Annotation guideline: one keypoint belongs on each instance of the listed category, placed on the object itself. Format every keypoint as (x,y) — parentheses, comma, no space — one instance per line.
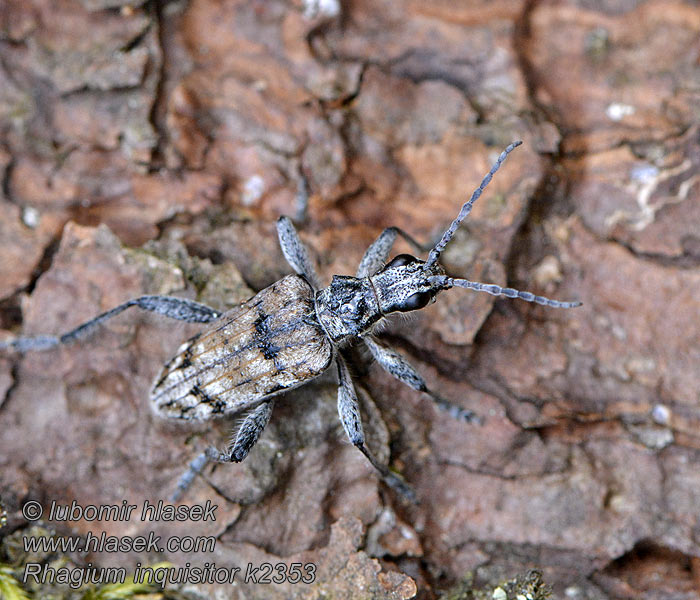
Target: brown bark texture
(149,147)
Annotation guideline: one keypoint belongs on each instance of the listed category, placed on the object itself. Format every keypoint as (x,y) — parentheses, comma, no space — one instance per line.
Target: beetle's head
(407,283)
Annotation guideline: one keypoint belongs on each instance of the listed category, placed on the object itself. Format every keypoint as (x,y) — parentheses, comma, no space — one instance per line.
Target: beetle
(291,332)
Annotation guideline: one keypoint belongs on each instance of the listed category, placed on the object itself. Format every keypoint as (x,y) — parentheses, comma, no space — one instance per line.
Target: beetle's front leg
(376,254)
(349,412)
(295,251)
(391,361)
(378,251)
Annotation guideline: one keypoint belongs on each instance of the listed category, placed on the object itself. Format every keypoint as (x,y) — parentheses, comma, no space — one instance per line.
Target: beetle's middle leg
(349,412)
(399,367)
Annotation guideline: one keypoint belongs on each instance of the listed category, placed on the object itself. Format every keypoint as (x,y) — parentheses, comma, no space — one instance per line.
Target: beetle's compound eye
(415,301)
(401,260)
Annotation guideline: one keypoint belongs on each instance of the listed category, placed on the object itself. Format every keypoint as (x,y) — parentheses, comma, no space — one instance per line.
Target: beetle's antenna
(446,283)
(467,207)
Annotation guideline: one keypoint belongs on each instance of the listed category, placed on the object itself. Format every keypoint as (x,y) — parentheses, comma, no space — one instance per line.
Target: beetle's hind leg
(391,361)
(246,437)
(168,306)
(349,412)
(193,469)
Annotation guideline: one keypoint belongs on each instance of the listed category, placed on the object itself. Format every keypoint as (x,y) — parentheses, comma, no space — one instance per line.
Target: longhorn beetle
(290,333)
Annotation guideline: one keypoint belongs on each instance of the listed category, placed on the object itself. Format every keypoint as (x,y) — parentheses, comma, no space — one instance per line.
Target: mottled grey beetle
(290,333)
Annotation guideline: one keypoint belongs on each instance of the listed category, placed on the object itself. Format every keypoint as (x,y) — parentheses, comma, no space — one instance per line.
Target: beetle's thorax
(347,307)
(351,307)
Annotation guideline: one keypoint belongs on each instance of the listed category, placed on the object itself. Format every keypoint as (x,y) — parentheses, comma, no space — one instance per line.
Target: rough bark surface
(148,147)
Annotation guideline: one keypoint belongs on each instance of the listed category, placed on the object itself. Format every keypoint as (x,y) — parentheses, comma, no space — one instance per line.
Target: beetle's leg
(301,200)
(375,256)
(349,411)
(295,252)
(377,253)
(399,367)
(246,437)
(169,306)
(193,469)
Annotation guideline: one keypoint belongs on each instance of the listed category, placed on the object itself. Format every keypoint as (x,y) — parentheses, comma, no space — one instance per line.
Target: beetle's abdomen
(268,344)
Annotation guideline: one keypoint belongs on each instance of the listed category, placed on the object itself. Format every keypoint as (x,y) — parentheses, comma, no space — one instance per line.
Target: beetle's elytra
(268,344)
(291,332)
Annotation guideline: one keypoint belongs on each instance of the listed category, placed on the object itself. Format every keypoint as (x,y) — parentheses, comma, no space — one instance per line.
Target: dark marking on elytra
(216,404)
(185,362)
(276,388)
(188,352)
(198,392)
(186,359)
(269,350)
(261,326)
